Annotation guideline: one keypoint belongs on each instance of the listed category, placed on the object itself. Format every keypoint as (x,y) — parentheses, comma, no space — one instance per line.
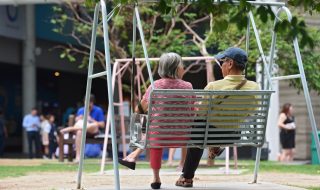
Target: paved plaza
(199,184)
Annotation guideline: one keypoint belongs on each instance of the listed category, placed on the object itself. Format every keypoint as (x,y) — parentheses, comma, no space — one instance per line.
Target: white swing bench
(239,118)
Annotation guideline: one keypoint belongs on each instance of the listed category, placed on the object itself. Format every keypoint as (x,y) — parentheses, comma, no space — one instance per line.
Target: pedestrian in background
(287,133)
(53,136)
(31,123)
(45,130)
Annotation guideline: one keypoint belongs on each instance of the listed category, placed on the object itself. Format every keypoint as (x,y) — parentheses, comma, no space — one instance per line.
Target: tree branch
(195,35)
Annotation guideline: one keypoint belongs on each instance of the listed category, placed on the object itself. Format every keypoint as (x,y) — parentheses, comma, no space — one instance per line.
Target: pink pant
(155,158)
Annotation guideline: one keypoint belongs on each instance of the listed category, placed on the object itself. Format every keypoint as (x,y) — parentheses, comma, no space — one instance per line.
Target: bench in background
(98,139)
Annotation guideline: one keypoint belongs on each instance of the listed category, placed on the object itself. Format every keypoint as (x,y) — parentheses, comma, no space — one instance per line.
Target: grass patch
(313,188)
(272,166)
(15,171)
(93,165)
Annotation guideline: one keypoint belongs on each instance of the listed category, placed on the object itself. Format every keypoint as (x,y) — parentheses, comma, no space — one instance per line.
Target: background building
(55,84)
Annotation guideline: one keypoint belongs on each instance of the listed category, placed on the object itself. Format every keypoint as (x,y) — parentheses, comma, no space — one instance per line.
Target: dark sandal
(183,182)
(131,165)
(155,185)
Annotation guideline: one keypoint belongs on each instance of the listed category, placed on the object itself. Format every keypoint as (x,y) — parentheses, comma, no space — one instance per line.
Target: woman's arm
(282,118)
(144,106)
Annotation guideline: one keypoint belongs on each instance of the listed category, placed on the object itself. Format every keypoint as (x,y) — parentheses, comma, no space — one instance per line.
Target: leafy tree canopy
(187,32)
(219,7)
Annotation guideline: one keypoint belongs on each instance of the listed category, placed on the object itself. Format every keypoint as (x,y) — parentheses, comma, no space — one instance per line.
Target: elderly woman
(233,61)
(171,72)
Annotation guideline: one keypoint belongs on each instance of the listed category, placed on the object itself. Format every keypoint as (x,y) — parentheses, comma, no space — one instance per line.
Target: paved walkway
(145,173)
(216,186)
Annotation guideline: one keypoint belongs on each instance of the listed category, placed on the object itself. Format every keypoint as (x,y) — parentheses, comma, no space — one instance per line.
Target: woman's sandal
(183,182)
(130,165)
(155,185)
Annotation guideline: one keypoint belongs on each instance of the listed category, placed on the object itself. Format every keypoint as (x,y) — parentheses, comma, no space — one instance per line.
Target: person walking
(287,132)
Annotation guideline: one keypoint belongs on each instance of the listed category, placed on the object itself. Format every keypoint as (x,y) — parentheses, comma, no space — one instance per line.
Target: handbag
(143,118)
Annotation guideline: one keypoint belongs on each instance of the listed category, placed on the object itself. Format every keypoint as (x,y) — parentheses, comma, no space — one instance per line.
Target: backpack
(92,150)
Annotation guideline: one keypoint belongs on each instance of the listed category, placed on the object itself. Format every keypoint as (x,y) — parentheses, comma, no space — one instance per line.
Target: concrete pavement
(215,186)
(198,185)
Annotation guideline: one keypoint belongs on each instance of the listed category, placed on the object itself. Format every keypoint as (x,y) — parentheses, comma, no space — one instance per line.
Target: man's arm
(25,122)
(99,120)
(101,124)
(80,114)
(78,117)
(38,122)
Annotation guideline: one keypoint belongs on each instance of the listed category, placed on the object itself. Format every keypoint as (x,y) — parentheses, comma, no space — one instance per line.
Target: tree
(75,21)
(218,7)
(200,33)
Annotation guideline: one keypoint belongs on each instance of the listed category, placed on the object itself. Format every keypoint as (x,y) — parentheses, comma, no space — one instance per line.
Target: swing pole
(88,92)
(110,94)
(302,76)
(144,46)
(107,127)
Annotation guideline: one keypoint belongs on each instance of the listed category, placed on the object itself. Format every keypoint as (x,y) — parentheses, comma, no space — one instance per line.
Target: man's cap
(237,54)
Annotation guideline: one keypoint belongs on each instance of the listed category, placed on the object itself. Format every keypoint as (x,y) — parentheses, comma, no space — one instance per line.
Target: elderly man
(233,61)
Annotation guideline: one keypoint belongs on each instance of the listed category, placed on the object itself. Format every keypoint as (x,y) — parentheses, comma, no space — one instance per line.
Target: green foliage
(166,32)
(310,59)
(309,5)
(285,52)
(174,42)
(240,17)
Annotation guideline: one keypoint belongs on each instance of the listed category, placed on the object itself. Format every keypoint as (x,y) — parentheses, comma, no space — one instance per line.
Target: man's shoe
(183,182)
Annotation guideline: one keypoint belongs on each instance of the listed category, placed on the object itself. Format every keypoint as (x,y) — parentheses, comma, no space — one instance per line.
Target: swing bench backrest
(201,118)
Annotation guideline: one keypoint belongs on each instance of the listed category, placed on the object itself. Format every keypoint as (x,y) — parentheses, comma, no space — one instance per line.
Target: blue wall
(44,28)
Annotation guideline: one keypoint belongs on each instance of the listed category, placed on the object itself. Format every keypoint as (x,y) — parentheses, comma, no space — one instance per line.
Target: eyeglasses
(221,61)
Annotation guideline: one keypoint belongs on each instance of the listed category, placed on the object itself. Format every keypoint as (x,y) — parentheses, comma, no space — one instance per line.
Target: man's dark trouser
(192,162)
(34,136)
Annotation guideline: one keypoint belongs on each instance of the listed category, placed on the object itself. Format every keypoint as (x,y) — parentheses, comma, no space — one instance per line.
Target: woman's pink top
(167,83)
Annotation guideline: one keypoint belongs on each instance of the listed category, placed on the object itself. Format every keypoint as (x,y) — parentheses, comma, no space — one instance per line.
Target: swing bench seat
(223,118)
(201,118)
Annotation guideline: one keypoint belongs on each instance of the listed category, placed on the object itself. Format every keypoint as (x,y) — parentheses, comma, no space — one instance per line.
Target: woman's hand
(290,126)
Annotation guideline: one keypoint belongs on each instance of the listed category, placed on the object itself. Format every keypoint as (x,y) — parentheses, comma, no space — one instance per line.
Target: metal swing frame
(137,24)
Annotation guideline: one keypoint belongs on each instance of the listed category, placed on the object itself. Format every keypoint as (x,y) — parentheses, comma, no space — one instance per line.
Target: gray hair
(168,65)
